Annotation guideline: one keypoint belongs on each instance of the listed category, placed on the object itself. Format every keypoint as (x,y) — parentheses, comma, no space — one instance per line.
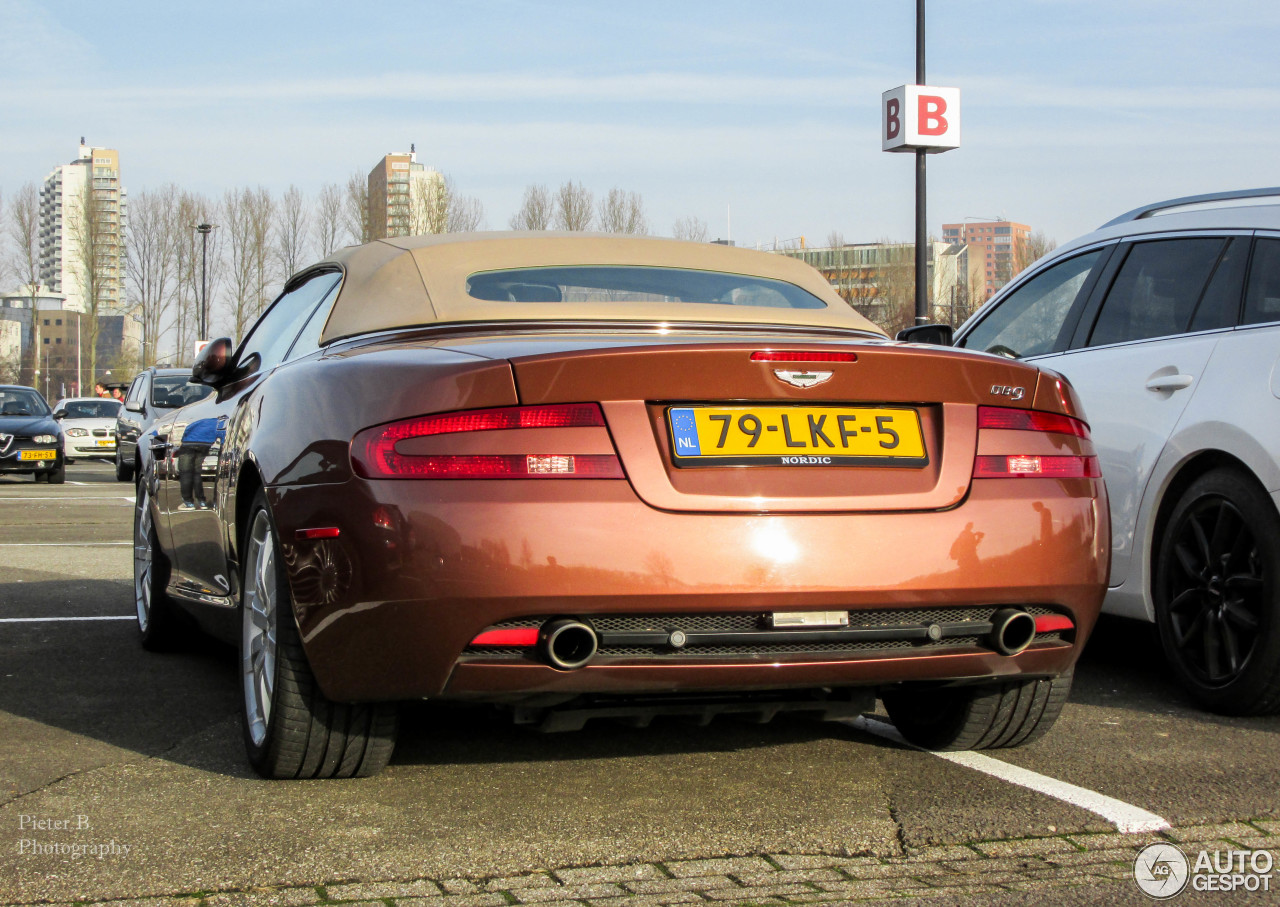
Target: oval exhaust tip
(567,644)
(1012,631)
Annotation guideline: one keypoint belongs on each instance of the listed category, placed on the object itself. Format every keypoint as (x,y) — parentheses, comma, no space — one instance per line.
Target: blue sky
(1073,110)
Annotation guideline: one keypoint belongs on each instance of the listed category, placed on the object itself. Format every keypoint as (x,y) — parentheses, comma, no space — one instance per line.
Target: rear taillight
(374,452)
(1030,420)
(1033,466)
(802,356)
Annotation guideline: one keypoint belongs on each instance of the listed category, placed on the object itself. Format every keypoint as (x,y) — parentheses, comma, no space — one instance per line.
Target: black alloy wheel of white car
(1215,588)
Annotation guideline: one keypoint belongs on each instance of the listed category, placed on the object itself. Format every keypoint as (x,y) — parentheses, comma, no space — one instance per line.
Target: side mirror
(936,334)
(59,414)
(213,365)
(134,406)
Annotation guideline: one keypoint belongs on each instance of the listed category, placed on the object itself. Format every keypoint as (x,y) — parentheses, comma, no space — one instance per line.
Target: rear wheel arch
(248,485)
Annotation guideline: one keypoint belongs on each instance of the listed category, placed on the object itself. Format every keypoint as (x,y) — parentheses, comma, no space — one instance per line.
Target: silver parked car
(1167,322)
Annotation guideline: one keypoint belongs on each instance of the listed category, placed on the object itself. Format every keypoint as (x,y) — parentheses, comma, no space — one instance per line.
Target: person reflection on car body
(199,437)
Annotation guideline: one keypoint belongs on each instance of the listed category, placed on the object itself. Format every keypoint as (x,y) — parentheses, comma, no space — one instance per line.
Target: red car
(592,475)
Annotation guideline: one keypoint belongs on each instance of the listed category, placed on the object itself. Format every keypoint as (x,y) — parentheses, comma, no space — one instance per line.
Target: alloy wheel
(1214,583)
(143,564)
(260,613)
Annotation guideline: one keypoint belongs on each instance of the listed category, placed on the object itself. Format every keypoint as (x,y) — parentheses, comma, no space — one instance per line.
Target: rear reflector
(1030,420)
(327,532)
(374,454)
(801,356)
(1019,466)
(1049,623)
(519,636)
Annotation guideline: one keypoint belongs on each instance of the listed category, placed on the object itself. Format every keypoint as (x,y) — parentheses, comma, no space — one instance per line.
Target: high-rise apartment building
(993,252)
(83,215)
(402,197)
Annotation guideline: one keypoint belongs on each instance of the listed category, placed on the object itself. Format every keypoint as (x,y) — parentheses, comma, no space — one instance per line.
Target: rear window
(640,285)
(92,409)
(171,392)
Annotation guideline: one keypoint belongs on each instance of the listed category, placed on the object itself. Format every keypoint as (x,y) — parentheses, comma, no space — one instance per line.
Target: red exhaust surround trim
(518,636)
(801,356)
(1050,623)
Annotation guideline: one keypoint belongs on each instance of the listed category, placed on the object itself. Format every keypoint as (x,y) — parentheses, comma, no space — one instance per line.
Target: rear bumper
(387,609)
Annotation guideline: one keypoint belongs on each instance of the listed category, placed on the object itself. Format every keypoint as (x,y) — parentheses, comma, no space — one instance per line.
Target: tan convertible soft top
(409,281)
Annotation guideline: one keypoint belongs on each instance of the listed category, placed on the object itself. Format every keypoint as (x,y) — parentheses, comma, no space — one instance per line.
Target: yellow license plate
(38,455)
(796,436)
(106,443)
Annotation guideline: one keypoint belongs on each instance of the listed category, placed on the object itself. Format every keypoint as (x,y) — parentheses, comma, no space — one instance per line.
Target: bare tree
(356,208)
(24,231)
(1030,249)
(574,203)
(835,240)
(197,269)
(430,198)
(293,231)
(261,212)
(535,209)
(238,230)
(96,258)
(623,212)
(466,214)
(152,262)
(692,229)
(328,219)
(893,278)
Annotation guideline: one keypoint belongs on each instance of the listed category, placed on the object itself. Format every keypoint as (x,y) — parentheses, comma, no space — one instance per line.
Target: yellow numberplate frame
(37,455)
(106,442)
(767,435)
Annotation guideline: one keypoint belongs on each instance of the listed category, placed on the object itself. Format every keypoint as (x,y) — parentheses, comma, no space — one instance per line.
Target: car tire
(994,716)
(69,461)
(160,624)
(291,729)
(123,473)
(57,476)
(1215,589)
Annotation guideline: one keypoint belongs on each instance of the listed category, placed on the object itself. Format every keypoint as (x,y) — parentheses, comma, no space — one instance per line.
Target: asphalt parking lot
(139,757)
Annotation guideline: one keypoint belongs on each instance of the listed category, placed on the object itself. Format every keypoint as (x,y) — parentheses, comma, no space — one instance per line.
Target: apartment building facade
(993,252)
(402,193)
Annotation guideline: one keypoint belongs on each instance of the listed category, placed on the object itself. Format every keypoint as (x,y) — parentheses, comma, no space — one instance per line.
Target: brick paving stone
(993,864)
(565,893)
(1270,826)
(938,854)
(1210,833)
(865,888)
(280,897)
(786,876)
(457,900)
(1111,841)
(142,902)
(754,894)
(1111,871)
(369,891)
(1025,846)
(683,869)
(588,874)
(458,886)
(1091,857)
(648,900)
(805,861)
(897,870)
(510,883)
(697,883)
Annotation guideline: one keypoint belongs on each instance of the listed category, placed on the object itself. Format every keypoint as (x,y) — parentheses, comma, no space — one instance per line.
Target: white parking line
(1127,818)
(73,497)
(45,620)
(62,544)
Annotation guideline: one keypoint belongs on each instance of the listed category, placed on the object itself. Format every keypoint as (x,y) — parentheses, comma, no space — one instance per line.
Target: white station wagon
(1167,322)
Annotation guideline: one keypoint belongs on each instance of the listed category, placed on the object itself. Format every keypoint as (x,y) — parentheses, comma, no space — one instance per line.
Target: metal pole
(922,238)
(204,281)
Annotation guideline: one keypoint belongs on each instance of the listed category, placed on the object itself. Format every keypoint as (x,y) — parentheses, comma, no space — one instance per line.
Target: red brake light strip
(1030,420)
(802,356)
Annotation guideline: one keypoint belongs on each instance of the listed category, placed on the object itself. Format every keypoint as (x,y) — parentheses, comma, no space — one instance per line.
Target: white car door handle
(1170,382)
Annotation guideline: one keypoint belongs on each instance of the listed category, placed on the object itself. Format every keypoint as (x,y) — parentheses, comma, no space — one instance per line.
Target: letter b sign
(920,117)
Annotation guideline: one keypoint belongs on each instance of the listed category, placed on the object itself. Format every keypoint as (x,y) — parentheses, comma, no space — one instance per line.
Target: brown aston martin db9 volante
(596,476)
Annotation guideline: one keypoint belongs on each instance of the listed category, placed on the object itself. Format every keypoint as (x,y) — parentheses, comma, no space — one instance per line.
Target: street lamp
(204,230)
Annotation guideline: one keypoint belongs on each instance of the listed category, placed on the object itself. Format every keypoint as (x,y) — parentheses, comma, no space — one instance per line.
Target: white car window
(1029,320)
